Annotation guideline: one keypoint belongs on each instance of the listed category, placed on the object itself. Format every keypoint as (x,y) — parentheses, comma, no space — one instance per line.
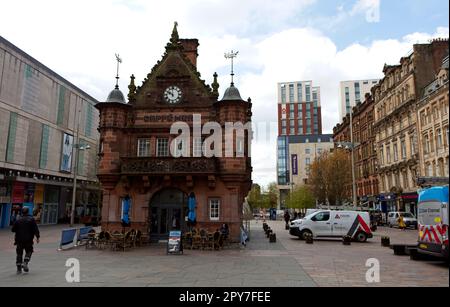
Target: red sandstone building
(365,155)
(135,156)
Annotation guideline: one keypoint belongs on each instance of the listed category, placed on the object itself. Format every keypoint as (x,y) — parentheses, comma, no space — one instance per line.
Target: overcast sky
(326,41)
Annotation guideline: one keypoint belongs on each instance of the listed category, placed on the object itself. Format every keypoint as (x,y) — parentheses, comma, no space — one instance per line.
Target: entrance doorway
(168,209)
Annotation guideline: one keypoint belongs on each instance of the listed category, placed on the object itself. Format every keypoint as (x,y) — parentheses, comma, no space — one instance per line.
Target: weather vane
(119,60)
(231,55)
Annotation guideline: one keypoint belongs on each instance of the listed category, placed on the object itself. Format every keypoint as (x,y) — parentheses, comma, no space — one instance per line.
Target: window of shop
(214,209)
(162,148)
(197,147)
(143,148)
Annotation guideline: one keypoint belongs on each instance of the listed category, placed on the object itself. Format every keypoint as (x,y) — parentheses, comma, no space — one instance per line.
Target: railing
(169,165)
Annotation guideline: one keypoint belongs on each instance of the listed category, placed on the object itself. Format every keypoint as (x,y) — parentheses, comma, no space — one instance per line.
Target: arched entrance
(168,209)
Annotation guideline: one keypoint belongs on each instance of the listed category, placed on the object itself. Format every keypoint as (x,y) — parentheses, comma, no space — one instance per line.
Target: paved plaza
(288,262)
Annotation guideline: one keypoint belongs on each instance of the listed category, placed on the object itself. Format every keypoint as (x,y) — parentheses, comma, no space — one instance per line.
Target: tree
(269,197)
(272,192)
(330,177)
(254,197)
(338,176)
(317,180)
(301,198)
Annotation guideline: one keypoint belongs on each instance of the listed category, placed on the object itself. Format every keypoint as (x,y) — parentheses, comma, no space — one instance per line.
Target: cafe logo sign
(168,118)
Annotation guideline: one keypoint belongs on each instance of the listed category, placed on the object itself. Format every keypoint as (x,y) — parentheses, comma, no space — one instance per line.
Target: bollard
(346,240)
(385,241)
(272,238)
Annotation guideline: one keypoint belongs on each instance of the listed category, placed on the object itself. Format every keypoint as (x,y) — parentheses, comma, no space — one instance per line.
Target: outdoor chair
(91,239)
(127,241)
(107,241)
(208,242)
(116,240)
(196,241)
(138,241)
(221,241)
(216,240)
(100,240)
(187,240)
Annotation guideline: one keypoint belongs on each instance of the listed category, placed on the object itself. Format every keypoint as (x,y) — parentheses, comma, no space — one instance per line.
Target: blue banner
(126,205)
(294,165)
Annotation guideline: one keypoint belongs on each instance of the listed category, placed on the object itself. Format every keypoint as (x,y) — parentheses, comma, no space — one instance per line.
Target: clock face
(172,94)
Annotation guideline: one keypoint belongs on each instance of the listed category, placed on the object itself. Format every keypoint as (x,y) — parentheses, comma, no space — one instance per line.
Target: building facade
(295,155)
(353,92)
(159,182)
(299,110)
(395,125)
(40,113)
(364,151)
(432,114)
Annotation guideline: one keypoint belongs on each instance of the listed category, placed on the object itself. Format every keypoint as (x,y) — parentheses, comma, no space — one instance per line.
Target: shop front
(50,206)
(410,202)
(5,204)
(388,203)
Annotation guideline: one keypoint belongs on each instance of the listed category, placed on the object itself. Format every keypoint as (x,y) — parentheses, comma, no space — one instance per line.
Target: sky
(326,41)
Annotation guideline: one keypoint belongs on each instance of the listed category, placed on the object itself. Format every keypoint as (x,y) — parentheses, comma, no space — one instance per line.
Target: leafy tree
(301,198)
(254,197)
(330,177)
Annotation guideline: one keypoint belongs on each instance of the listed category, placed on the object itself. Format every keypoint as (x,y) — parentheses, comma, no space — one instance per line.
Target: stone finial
(215,85)
(175,38)
(132,89)
(174,42)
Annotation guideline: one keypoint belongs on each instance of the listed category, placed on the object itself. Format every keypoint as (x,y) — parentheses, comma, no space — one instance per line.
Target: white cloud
(79,39)
(371,8)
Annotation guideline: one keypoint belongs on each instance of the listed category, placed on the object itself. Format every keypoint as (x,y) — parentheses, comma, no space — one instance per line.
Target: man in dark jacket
(287,218)
(26,229)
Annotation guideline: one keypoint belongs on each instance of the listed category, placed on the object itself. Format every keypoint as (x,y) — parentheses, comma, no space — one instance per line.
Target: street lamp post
(351,146)
(75,148)
(353,162)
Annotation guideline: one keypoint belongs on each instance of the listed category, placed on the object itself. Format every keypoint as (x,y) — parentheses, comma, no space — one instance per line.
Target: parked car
(327,223)
(409,219)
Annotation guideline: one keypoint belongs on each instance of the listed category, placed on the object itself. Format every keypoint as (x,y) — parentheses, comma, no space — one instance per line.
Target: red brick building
(364,153)
(136,162)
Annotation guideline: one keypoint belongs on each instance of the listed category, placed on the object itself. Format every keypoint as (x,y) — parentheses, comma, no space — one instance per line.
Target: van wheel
(304,234)
(390,225)
(361,237)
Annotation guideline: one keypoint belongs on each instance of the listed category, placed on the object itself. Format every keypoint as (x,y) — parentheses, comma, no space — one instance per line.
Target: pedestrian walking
(401,222)
(25,229)
(287,218)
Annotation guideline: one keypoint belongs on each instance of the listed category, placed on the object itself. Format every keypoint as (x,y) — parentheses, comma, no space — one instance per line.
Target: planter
(385,241)
(269,231)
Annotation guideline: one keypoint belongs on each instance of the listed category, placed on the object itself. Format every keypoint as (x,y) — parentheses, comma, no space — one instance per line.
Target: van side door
(321,224)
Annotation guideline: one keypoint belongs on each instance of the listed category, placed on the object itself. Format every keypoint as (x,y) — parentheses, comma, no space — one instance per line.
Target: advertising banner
(18,192)
(294,165)
(174,243)
(39,194)
(66,161)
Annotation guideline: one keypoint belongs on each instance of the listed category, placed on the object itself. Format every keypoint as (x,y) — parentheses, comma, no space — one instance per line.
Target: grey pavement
(288,262)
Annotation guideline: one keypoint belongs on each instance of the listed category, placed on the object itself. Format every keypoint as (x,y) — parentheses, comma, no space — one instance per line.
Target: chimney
(190,49)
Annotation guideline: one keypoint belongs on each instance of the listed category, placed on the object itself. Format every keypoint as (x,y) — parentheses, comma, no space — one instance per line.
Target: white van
(327,223)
